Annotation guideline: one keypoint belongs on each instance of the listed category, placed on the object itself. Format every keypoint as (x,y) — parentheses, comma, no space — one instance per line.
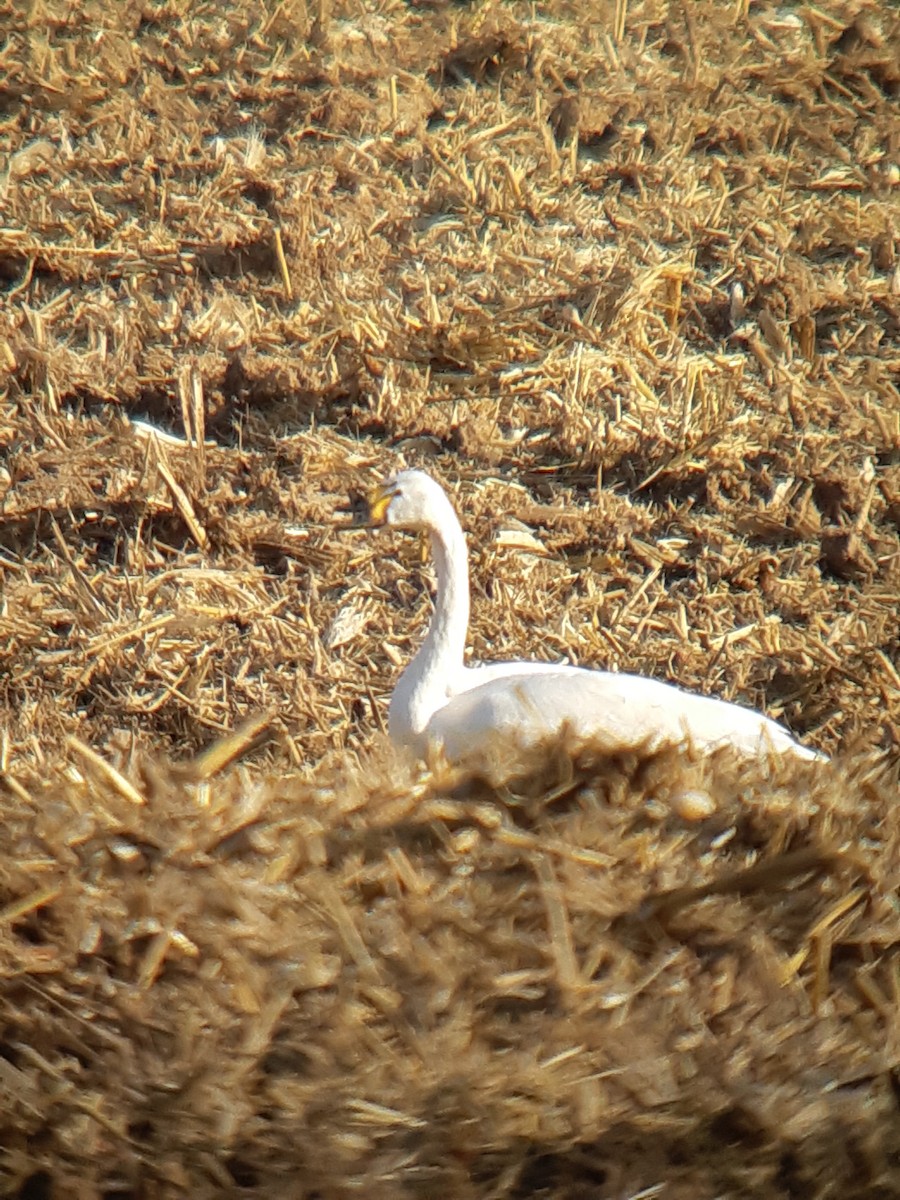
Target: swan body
(439,703)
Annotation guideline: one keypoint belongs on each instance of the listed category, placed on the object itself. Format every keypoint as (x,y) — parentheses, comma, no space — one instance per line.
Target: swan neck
(435,672)
(445,643)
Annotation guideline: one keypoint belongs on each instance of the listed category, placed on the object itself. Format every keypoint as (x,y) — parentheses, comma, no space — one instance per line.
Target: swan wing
(618,712)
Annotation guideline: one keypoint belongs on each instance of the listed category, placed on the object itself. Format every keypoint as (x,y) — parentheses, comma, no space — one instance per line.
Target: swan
(441,704)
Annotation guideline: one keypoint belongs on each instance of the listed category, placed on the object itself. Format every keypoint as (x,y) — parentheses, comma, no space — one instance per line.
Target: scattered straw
(109,773)
(625,277)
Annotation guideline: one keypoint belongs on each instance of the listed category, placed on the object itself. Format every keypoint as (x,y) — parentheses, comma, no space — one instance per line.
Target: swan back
(611,711)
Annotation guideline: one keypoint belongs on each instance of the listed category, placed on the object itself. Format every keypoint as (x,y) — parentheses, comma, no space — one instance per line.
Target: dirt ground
(625,278)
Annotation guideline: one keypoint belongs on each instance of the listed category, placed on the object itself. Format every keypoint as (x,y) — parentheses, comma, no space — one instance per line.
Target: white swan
(440,703)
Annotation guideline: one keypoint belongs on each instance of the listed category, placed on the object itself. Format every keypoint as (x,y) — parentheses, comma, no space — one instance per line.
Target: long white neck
(441,654)
(432,675)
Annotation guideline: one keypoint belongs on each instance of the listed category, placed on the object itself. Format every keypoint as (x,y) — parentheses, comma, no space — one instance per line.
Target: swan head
(407,500)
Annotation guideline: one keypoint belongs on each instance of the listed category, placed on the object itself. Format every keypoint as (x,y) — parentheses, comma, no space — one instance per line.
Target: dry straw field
(624,277)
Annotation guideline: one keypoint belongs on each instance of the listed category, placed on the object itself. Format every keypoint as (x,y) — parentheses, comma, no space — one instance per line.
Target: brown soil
(625,278)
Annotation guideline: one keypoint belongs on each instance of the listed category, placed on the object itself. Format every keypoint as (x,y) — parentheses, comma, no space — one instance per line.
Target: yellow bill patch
(378,500)
(369,511)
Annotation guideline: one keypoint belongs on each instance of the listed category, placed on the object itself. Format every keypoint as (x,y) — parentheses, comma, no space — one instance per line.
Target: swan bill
(377,502)
(369,511)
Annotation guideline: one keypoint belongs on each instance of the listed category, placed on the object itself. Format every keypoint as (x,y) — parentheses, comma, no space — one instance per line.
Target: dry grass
(625,277)
(366,985)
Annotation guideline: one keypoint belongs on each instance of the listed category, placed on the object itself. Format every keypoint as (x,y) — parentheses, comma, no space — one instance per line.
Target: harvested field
(625,278)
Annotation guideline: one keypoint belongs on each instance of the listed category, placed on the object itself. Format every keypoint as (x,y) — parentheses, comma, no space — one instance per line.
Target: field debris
(624,277)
